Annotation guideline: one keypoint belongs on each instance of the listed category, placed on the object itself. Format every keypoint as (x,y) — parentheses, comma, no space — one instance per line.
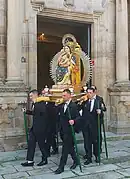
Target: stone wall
(84,6)
(12,88)
(2,39)
(119,92)
(102,18)
(29,46)
(129,31)
(12,131)
(120,110)
(104,70)
(101,14)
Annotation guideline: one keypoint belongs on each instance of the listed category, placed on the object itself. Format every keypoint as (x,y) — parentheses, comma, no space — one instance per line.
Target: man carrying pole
(91,111)
(101,121)
(37,133)
(65,122)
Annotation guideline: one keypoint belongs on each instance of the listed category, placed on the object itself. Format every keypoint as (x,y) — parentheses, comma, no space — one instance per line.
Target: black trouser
(90,138)
(67,148)
(61,134)
(51,142)
(85,142)
(33,138)
(51,138)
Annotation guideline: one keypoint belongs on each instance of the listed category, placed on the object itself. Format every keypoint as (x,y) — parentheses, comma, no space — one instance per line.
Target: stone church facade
(110,34)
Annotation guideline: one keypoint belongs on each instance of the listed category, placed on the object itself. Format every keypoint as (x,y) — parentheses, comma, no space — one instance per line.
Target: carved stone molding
(104,3)
(77,16)
(4,117)
(5,89)
(119,89)
(37,5)
(68,3)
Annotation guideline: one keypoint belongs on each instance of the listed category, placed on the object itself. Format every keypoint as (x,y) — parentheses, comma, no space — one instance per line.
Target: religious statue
(66,64)
(63,71)
(67,67)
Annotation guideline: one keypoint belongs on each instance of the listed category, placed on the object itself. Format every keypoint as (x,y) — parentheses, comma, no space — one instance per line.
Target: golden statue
(66,66)
(63,71)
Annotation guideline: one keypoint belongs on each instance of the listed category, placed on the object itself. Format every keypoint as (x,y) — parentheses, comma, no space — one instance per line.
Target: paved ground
(117,167)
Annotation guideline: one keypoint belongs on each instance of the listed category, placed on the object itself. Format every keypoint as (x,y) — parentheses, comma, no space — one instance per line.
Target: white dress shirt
(66,105)
(32,106)
(92,103)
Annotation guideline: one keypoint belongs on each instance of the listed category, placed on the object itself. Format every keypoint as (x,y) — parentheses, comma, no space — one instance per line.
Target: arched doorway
(50,33)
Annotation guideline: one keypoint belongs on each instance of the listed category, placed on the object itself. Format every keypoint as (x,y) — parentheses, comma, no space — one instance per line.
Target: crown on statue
(74,46)
(70,40)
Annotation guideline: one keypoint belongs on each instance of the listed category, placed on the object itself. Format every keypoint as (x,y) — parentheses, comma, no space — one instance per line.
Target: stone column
(2,38)
(122,64)
(14,34)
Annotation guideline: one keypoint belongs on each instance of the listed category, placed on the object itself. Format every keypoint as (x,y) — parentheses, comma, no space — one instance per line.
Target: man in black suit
(38,131)
(90,110)
(51,129)
(104,109)
(68,144)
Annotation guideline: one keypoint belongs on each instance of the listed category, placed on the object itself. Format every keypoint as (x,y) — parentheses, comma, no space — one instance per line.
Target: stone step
(109,136)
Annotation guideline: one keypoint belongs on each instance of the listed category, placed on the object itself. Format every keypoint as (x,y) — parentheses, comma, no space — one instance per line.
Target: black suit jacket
(103,106)
(91,118)
(40,115)
(51,110)
(65,117)
(102,101)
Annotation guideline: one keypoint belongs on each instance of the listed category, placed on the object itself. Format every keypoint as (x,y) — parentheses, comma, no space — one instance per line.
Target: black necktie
(89,105)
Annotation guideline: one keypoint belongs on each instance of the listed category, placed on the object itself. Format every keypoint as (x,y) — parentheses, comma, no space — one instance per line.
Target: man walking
(104,109)
(37,131)
(68,107)
(91,109)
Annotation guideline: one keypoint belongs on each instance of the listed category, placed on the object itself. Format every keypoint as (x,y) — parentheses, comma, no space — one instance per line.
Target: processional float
(71,68)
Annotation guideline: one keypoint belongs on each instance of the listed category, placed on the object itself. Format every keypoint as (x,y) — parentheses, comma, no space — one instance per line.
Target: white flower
(4,106)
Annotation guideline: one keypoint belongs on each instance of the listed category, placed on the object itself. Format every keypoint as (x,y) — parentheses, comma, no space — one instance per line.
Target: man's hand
(99,111)
(24,109)
(71,122)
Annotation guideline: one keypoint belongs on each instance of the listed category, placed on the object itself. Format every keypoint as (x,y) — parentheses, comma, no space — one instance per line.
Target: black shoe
(97,160)
(43,162)
(73,166)
(54,152)
(59,170)
(26,164)
(87,162)
(85,157)
(100,150)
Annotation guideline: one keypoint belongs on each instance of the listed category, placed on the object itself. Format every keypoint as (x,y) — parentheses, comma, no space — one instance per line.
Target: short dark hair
(90,88)
(67,91)
(93,86)
(34,91)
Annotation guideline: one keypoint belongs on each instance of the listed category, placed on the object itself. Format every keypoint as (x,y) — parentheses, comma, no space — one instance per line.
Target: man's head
(94,87)
(91,92)
(33,94)
(66,95)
